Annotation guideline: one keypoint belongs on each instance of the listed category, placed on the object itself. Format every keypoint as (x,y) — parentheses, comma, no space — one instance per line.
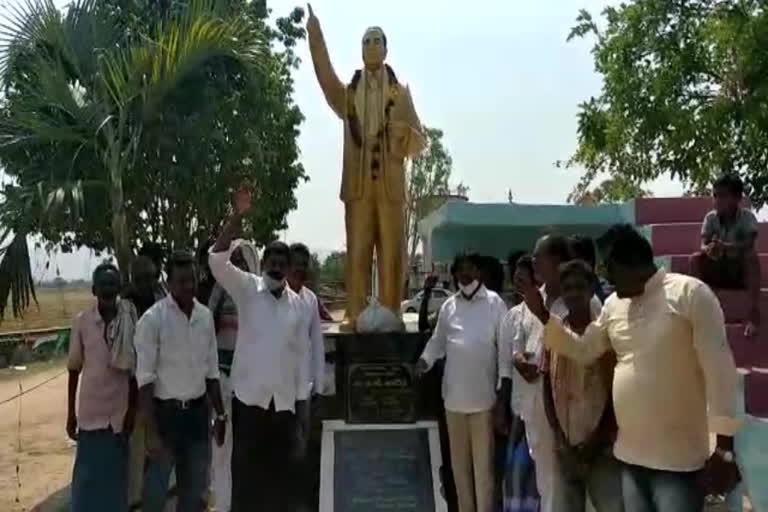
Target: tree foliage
(427,179)
(610,190)
(245,129)
(128,122)
(332,268)
(685,94)
(217,125)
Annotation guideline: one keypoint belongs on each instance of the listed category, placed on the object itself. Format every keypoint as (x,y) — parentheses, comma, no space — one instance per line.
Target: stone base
(410,481)
(346,349)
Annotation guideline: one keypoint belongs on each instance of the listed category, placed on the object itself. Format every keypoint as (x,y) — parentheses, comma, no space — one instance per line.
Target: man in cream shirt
(673,362)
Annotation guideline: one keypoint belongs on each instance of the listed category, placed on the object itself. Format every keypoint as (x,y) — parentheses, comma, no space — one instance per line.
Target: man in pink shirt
(104,418)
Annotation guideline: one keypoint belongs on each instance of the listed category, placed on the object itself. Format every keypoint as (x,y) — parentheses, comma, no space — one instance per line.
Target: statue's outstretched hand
(312,22)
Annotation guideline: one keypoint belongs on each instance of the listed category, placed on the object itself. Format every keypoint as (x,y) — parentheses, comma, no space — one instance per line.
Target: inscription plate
(380,393)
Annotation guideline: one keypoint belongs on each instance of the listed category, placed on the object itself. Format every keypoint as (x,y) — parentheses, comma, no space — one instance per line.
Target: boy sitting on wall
(728,258)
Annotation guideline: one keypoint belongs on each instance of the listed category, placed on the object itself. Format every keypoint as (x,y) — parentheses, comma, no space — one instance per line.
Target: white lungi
(221,456)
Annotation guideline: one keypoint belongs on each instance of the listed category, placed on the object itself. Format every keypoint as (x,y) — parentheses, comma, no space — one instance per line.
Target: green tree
(246,129)
(332,269)
(427,179)
(610,190)
(131,121)
(685,89)
(314,270)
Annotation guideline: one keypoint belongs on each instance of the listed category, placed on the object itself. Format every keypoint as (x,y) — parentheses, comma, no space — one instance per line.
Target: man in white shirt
(312,332)
(176,366)
(466,335)
(314,357)
(519,477)
(224,312)
(267,374)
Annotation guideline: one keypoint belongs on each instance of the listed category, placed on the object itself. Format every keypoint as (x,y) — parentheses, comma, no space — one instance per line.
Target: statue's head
(374,47)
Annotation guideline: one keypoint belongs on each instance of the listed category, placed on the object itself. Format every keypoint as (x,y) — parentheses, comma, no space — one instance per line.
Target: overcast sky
(497,76)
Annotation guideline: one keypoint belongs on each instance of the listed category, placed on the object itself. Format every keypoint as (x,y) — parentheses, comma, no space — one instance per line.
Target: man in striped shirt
(578,406)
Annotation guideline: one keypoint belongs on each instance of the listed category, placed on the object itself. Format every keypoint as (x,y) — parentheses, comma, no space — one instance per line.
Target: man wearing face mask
(267,372)
(225,318)
(466,335)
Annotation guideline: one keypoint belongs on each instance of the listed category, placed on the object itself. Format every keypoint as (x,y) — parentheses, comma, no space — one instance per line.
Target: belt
(182,404)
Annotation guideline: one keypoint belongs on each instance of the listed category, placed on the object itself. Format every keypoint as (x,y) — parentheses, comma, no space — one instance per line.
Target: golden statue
(381,130)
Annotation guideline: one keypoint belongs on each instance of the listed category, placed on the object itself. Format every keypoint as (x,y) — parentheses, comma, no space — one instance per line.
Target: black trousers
(184,431)
(264,465)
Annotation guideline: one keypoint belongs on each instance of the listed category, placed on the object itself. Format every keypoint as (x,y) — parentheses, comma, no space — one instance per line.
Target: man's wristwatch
(726,455)
(222,417)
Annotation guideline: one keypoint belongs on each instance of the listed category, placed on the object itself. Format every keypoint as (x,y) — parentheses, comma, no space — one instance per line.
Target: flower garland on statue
(353,119)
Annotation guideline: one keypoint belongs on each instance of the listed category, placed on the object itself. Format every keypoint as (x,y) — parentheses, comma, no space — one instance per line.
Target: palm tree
(77,87)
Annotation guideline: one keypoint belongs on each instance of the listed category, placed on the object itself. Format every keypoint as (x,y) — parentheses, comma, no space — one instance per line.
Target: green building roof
(496,229)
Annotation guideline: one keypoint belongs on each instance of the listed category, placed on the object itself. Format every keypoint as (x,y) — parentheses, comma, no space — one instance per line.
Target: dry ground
(56,309)
(32,437)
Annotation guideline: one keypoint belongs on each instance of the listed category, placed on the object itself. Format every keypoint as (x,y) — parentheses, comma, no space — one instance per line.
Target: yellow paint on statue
(381,130)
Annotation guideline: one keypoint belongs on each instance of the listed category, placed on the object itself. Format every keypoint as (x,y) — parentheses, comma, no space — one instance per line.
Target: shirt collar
(656,281)
(286,291)
(481,293)
(543,291)
(94,316)
(545,296)
(195,306)
(725,221)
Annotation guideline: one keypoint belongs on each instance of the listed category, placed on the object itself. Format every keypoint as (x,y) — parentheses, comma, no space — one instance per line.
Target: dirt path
(38,445)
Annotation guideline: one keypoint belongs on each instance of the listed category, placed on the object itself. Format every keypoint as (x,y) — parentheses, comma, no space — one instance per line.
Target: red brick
(740,346)
(681,263)
(665,210)
(735,305)
(749,353)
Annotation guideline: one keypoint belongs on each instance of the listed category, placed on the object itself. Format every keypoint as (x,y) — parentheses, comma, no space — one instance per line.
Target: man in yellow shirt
(673,362)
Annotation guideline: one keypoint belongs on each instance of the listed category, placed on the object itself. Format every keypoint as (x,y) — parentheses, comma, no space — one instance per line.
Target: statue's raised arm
(332,87)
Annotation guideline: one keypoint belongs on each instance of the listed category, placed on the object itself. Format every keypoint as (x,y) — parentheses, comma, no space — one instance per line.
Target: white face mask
(273,284)
(469,289)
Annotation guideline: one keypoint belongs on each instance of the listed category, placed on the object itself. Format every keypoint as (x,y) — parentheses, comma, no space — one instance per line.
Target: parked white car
(439,295)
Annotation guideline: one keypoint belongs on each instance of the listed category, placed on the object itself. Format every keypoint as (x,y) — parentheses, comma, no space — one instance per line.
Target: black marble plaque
(382,471)
(381,393)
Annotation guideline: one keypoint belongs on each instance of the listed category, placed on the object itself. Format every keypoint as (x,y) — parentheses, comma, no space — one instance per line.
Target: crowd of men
(572,395)
(568,396)
(207,376)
